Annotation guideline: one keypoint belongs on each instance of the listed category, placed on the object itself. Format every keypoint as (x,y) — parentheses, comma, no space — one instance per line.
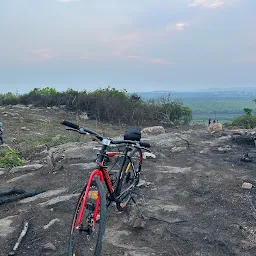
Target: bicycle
(89,219)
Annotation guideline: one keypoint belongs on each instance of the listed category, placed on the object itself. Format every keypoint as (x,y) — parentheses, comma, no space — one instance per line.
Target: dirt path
(193,204)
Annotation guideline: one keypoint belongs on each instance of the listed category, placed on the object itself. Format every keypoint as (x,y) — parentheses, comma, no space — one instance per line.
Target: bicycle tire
(79,240)
(128,179)
(138,159)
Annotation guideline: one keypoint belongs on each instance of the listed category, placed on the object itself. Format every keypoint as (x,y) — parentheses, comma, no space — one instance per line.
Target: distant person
(209,121)
(1,133)
(214,121)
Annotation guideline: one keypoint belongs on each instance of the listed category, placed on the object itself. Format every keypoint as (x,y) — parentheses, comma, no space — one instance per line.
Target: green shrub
(227,124)
(173,111)
(10,158)
(8,99)
(245,121)
(247,111)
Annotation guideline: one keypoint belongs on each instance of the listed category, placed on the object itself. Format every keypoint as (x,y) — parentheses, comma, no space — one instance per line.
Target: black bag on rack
(132,134)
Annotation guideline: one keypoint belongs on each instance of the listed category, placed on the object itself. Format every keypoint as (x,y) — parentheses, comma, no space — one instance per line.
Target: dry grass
(31,129)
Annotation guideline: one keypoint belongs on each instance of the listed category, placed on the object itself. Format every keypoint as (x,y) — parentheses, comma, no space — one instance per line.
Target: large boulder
(169,140)
(154,130)
(73,151)
(83,116)
(215,127)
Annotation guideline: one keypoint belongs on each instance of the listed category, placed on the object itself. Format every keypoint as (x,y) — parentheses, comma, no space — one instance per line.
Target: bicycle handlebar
(83,130)
(71,125)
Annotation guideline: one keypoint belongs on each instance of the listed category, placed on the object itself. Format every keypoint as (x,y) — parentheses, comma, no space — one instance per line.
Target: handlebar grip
(145,144)
(71,125)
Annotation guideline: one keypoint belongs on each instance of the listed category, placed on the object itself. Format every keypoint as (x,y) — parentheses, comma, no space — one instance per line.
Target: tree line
(108,105)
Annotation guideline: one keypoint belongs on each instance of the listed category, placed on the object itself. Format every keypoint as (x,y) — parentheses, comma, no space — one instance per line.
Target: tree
(246,121)
(248,111)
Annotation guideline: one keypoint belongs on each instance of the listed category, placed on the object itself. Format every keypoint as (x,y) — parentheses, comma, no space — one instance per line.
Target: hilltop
(191,196)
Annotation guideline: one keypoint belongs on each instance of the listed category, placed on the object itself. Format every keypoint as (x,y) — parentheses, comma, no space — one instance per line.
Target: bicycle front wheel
(88,224)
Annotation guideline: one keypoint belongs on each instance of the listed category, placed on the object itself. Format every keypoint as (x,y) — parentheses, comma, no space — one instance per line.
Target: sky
(144,45)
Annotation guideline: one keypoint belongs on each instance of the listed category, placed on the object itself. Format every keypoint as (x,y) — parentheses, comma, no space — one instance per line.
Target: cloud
(88,56)
(126,41)
(250,59)
(207,3)
(135,57)
(41,55)
(116,53)
(149,59)
(65,1)
(177,26)
(159,61)
(180,26)
(126,57)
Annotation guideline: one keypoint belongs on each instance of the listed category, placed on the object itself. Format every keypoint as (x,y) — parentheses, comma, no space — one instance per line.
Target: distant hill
(222,104)
(245,93)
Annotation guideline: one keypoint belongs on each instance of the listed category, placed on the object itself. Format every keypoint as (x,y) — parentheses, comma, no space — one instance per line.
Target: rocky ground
(191,197)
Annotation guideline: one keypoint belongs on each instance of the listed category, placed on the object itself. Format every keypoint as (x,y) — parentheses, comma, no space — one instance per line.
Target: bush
(41,97)
(246,121)
(173,112)
(109,105)
(9,99)
(10,158)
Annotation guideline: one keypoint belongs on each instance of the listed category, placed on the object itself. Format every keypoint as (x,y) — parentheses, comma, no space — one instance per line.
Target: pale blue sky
(138,45)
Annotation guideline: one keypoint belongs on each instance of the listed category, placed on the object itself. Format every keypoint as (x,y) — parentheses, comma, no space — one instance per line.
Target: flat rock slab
(52,222)
(46,194)
(5,226)
(58,200)
(224,148)
(205,151)
(26,168)
(19,177)
(152,207)
(2,172)
(145,252)
(49,247)
(114,237)
(171,169)
(178,149)
(83,166)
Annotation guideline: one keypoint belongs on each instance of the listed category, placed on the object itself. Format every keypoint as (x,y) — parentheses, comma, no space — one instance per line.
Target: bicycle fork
(84,201)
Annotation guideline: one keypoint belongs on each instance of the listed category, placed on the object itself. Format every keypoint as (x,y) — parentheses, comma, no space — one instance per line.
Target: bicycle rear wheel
(128,178)
(86,238)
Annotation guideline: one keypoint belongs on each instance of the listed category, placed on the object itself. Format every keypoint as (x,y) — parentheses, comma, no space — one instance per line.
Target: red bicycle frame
(103,178)
(86,194)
